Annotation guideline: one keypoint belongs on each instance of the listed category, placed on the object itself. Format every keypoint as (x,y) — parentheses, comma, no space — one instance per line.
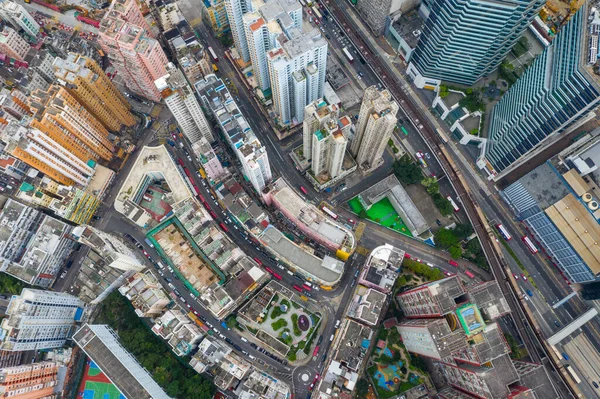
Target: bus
(297,288)
(469,274)
(225,229)
(573,374)
(213,54)
(215,68)
(404,130)
(503,232)
(454,206)
(329,213)
(453,263)
(305,191)
(530,245)
(347,54)
(317,13)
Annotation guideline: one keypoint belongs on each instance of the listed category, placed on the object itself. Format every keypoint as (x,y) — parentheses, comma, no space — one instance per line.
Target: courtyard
(381,212)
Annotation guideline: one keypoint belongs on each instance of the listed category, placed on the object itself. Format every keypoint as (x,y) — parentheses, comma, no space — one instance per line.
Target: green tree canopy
(407,171)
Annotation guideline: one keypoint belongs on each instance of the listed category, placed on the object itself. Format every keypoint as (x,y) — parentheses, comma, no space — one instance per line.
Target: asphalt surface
(547,282)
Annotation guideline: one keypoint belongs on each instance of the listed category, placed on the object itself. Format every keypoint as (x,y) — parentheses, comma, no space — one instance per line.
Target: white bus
(329,213)
(530,245)
(347,54)
(503,232)
(454,206)
(573,374)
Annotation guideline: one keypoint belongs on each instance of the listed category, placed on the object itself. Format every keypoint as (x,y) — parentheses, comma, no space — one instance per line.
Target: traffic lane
(164,274)
(238,236)
(281,164)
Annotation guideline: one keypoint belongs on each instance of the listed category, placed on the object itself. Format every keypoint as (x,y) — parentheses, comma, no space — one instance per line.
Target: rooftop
(489,299)
(101,344)
(366,305)
(409,26)
(152,163)
(382,267)
(293,205)
(300,258)
(31,243)
(391,188)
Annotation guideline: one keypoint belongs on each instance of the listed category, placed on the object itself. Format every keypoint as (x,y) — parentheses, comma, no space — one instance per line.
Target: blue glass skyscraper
(465,40)
(559,89)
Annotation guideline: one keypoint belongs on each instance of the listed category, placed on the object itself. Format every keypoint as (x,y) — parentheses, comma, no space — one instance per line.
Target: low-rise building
(367,305)
(177,329)
(347,360)
(33,246)
(112,248)
(145,294)
(219,273)
(308,218)
(382,268)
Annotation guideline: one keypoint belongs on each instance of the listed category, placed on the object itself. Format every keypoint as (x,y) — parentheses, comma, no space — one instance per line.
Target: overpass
(572,327)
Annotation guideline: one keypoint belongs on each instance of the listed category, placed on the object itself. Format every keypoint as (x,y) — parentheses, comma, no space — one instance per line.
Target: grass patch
(279,324)
(383,213)
(517,352)
(297,331)
(296,306)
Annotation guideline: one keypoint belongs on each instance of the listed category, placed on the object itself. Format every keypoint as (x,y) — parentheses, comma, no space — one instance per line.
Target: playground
(381,212)
(390,371)
(95,385)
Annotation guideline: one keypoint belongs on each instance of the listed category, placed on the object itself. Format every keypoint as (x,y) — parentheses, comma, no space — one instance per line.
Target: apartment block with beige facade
(13,45)
(376,122)
(85,80)
(65,120)
(139,58)
(30,381)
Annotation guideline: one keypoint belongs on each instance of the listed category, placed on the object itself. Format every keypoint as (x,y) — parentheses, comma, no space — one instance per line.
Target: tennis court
(381,212)
(95,385)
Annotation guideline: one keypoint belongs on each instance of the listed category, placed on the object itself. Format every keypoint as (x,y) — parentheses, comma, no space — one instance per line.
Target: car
(196,313)
(447,273)
(312,385)
(337,324)
(353,282)
(145,253)
(170,280)
(279,265)
(161,273)
(427,155)
(523,276)
(556,323)
(595,385)
(245,353)
(188,305)
(417,260)
(529,292)
(407,255)
(351,221)
(437,221)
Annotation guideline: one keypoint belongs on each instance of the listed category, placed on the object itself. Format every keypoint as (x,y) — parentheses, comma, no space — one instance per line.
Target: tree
(407,171)
(442,204)
(473,247)
(463,230)
(431,184)
(445,238)
(362,388)
(455,252)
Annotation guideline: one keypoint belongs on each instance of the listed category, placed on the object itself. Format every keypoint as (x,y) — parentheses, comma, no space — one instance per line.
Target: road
(443,154)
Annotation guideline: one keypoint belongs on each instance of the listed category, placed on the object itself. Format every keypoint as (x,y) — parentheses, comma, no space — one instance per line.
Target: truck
(147,241)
